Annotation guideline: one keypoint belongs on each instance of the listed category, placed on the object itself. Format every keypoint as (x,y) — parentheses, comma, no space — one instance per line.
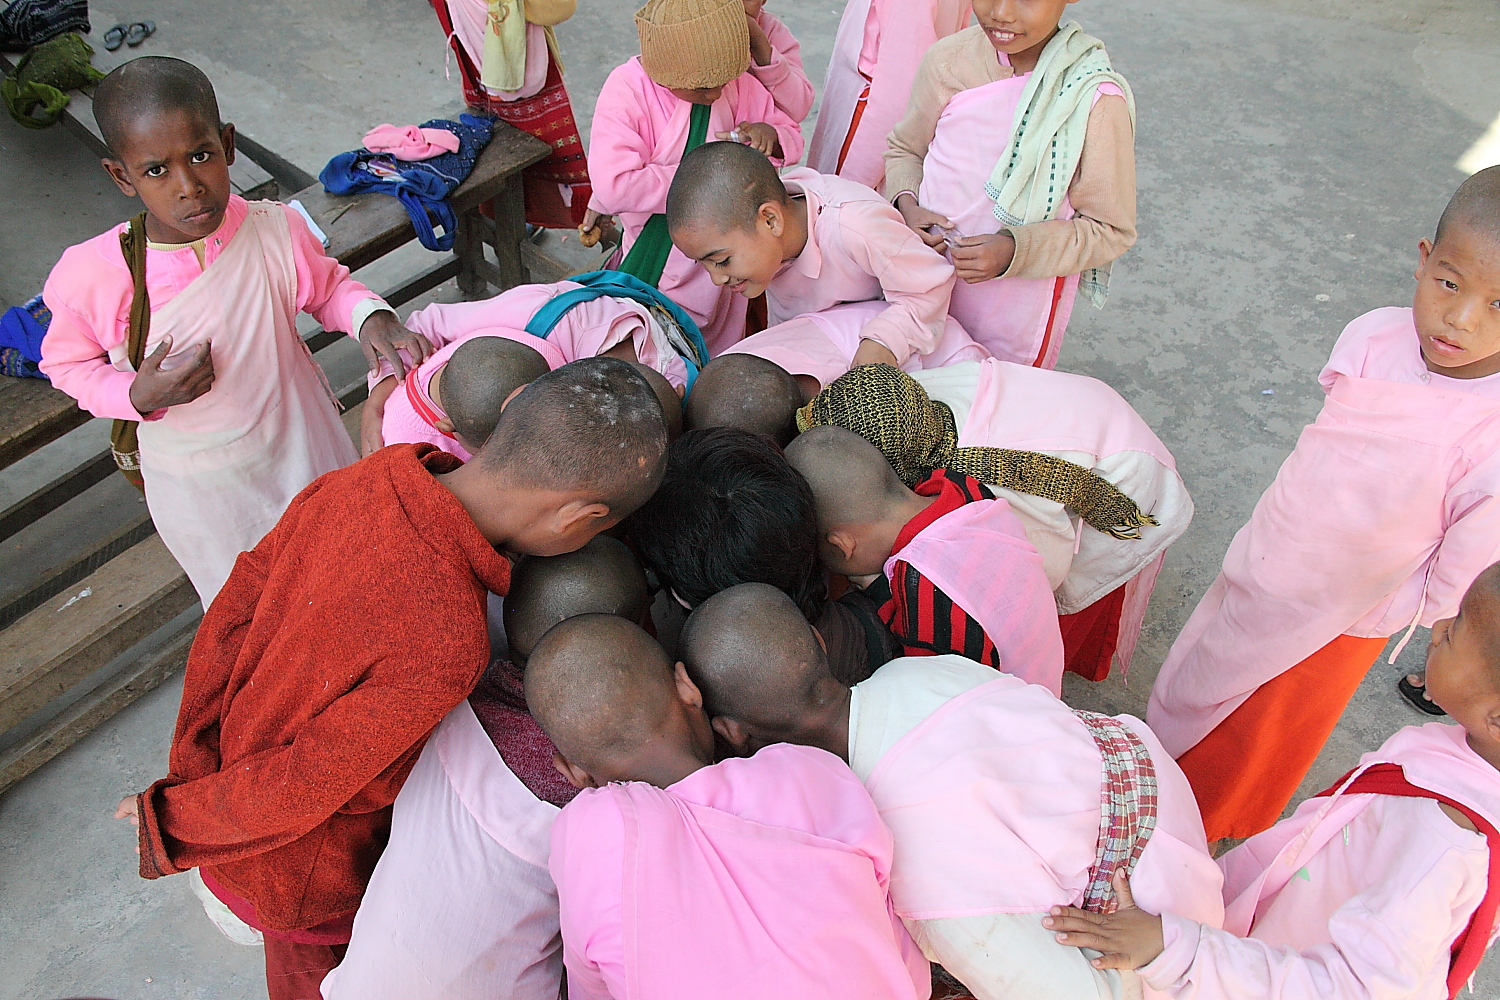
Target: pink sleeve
(917,281)
(754,103)
(624,179)
(587,865)
(784,76)
(324,288)
(75,352)
(1471,543)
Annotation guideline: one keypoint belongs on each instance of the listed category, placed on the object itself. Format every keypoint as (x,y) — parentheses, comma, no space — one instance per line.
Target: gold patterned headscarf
(917,434)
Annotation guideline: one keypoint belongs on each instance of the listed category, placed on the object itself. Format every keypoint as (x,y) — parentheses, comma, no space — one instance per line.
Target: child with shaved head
(949,563)
(1384,885)
(681,878)
(461,906)
(1386,510)
(1002,801)
(811,242)
(183,321)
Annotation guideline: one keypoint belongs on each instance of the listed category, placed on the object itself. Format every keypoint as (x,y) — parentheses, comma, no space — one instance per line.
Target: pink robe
(1382,516)
(822,344)
(980,557)
(859,250)
(635,144)
(784,76)
(992,790)
(461,906)
(879,43)
(1003,405)
(1016,319)
(1353,897)
(757,877)
(220,470)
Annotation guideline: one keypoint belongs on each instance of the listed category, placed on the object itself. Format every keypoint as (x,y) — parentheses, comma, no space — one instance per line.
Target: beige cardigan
(1103,189)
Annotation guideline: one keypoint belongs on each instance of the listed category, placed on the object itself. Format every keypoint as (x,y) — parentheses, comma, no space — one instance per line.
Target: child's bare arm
(1129,938)
(155,389)
(372,417)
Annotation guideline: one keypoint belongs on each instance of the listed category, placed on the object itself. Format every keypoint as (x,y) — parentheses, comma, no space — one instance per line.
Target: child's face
(1457,303)
(1014,26)
(698,95)
(177,163)
(746,260)
(1458,677)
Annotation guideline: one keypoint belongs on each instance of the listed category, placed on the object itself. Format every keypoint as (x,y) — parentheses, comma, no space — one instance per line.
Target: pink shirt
(859,249)
(1353,897)
(89,292)
(784,76)
(757,877)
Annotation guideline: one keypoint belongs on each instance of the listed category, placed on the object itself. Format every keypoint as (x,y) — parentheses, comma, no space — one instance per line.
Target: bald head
(666,395)
(1481,607)
(1474,208)
(722,185)
(151,85)
(603,577)
(744,391)
(755,658)
(479,377)
(851,481)
(599,687)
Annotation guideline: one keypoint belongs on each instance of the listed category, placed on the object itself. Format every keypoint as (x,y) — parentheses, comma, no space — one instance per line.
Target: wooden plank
(73,569)
(509,209)
(97,707)
(32,414)
(363,228)
(544,267)
(45,499)
(69,637)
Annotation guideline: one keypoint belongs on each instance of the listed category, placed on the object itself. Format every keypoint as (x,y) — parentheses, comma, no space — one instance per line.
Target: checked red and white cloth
(1127,807)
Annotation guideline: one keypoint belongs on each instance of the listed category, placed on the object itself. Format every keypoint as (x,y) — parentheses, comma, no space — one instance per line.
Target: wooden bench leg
(468,247)
(509,207)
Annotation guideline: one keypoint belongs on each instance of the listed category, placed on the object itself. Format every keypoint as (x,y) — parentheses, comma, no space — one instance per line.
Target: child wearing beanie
(689,85)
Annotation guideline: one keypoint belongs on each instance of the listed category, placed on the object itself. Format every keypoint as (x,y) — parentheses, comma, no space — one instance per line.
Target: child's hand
(754,7)
(873,352)
(1129,937)
(760,46)
(154,389)
(130,808)
(372,417)
(758,136)
(980,258)
(383,336)
(921,221)
(594,228)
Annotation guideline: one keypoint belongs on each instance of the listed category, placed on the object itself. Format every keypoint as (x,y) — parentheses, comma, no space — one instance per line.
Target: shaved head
(666,395)
(599,687)
(477,379)
(1481,606)
(603,577)
(755,657)
(151,85)
(744,391)
(1475,207)
(852,483)
(722,185)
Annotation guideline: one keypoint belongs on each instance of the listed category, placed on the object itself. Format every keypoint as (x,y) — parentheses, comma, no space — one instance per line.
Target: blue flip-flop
(115,37)
(139,32)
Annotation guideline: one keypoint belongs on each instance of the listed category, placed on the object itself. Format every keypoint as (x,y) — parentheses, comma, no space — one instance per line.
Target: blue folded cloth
(423,186)
(21,331)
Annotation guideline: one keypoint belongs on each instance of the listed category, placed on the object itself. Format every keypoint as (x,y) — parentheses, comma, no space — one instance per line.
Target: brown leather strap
(122,435)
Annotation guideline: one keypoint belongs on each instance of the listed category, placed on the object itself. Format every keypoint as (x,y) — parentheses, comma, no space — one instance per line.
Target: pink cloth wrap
(994,802)
(756,877)
(980,557)
(635,143)
(823,344)
(408,142)
(1354,896)
(1382,516)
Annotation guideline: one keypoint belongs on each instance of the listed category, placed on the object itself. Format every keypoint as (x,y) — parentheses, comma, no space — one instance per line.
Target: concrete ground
(1288,166)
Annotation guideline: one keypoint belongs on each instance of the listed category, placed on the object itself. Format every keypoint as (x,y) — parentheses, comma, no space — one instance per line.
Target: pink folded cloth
(407,142)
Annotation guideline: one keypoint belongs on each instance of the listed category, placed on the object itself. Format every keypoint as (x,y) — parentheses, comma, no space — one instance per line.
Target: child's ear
(444,424)
(844,541)
(226,139)
(575,514)
(734,733)
(576,776)
(687,691)
(116,171)
(1424,250)
(773,217)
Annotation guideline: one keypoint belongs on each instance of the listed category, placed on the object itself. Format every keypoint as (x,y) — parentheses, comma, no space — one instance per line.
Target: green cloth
(1051,121)
(35,93)
(648,254)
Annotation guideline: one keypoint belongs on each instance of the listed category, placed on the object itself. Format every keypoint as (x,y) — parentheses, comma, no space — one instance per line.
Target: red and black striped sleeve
(928,621)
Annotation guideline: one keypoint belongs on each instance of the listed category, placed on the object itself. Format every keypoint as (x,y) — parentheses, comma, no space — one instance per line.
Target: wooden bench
(46,653)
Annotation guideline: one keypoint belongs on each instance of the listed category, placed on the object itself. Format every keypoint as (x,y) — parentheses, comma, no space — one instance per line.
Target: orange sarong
(1246,771)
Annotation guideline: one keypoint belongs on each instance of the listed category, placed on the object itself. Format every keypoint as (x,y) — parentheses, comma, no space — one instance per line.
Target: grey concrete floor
(1288,166)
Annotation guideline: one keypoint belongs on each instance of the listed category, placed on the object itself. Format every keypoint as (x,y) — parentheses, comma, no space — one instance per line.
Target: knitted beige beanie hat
(692,44)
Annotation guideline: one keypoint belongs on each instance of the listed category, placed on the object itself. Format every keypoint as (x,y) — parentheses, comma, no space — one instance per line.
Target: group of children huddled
(432,744)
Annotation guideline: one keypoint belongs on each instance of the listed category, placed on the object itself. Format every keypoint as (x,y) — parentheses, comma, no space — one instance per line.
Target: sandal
(115,37)
(1417,697)
(139,32)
